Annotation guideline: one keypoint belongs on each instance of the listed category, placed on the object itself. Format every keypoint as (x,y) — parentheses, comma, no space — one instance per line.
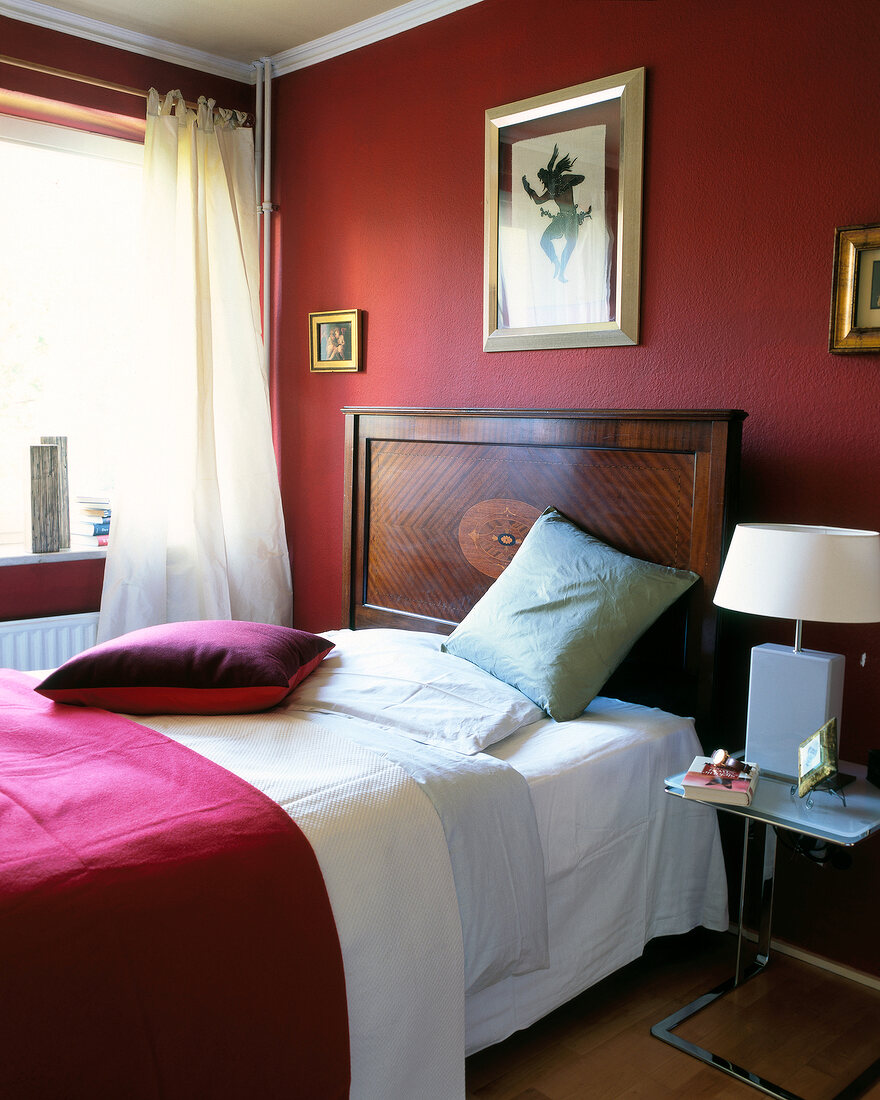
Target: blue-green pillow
(564,614)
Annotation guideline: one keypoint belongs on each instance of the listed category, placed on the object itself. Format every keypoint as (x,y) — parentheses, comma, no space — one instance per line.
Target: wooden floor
(802,1028)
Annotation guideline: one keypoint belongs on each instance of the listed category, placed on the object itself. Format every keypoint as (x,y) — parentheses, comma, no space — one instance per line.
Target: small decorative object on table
(817,759)
(721,778)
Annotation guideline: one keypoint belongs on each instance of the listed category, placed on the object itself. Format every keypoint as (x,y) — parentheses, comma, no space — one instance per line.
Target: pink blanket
(164,927)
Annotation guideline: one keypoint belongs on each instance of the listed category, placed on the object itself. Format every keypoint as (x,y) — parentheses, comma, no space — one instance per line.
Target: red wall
(65,588)
(758,143)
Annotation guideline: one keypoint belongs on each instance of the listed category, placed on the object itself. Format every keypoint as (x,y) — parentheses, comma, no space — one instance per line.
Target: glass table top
(825,815)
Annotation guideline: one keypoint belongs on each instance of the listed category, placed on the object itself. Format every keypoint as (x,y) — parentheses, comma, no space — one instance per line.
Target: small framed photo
(563,217)
(855,291)
(335,340)
(817,758)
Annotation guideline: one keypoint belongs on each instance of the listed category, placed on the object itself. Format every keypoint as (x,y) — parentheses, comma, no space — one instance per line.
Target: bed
(482,862)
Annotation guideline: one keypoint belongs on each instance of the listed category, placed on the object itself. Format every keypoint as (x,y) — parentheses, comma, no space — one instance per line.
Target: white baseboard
(819,961)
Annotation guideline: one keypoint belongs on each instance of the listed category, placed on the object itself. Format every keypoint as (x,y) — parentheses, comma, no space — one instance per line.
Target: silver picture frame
(563,217)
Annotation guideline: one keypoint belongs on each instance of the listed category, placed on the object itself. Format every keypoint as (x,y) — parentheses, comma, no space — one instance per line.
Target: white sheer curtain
(197,530)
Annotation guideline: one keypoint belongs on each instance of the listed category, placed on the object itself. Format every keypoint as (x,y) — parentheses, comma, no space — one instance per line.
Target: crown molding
(385,25)
(381,26)
(42,15)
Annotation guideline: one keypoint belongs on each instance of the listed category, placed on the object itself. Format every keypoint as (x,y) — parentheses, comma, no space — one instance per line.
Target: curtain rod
(93,81)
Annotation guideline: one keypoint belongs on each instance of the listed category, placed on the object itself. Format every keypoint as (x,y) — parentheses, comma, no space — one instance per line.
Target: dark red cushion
(206,667)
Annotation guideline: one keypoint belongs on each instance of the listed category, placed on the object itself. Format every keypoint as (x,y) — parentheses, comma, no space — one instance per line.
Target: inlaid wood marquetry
(491,532)
(637,501)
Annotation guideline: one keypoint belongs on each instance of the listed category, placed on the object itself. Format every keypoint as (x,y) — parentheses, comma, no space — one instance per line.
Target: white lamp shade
(788,571)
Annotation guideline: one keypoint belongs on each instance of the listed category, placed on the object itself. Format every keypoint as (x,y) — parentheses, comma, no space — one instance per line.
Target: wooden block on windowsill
(45,490)
(60,441)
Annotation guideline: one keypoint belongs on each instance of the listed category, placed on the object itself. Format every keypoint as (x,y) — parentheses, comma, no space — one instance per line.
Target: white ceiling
(226,36)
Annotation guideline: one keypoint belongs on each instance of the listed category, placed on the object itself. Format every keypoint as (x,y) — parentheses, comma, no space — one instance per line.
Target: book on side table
(718,783)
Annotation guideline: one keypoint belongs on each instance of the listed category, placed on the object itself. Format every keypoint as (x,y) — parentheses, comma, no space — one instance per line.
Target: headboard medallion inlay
(491,531)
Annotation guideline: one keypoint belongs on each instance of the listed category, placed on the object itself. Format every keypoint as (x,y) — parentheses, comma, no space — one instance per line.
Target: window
(69,225)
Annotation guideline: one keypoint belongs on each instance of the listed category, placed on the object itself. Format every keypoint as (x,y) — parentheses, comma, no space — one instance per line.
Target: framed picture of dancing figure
(335,340)
(563,214)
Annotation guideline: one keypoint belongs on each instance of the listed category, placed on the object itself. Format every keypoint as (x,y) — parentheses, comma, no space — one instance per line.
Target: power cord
(815,850)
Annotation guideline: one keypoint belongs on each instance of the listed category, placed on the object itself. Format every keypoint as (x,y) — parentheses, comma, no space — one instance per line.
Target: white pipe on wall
(266,207)
(258,137)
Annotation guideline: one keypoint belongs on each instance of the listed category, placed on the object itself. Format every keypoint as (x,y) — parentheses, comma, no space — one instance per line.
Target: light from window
(69,302)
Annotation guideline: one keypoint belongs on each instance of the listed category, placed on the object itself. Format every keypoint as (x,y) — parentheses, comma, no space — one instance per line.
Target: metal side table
(843,818)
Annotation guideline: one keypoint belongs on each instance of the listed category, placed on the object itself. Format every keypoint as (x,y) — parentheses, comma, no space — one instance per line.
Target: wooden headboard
(437,500)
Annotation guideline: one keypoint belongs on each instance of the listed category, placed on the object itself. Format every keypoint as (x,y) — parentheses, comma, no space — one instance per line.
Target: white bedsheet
(400,680)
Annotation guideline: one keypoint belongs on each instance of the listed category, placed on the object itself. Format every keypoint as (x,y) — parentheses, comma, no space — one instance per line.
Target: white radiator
(28,644)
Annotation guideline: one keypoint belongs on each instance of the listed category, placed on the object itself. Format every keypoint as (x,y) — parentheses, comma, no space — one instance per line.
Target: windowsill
(19,555)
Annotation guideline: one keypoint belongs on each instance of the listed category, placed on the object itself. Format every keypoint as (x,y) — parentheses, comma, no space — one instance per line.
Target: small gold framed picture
(817,758)
(335,340)
(855,290)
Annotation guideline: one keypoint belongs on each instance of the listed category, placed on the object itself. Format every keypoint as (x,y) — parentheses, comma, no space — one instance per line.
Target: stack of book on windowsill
(90,521)
(716,783)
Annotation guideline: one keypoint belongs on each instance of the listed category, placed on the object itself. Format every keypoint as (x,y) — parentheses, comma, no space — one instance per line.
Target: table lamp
(789,571)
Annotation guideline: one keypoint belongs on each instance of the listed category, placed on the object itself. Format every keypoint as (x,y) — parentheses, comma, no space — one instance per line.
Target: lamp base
(792,693)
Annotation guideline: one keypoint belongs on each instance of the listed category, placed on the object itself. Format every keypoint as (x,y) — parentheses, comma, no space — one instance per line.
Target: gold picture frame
(817,758)
(573,157)
(335,341)
(855,290)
